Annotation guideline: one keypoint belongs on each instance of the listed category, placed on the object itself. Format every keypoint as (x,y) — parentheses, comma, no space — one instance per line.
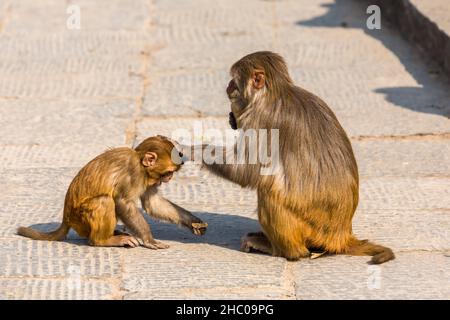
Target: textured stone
(54,289)
(240,293)
(200,266)
(403,158)
(28,14)
(425,23)
(350,278)
(24,257)
(51,123)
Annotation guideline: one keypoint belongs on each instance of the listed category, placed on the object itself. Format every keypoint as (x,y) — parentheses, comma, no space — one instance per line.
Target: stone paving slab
(25,15)
(25,258)
(349,278)
(55,289)
(241,293)
(220,268)
(64,122)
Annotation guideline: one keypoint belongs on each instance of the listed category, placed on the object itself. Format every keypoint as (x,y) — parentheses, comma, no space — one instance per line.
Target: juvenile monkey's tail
(379,253)
(58,234)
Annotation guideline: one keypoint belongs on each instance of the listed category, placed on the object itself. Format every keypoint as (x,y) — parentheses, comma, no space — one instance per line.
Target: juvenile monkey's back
(99,176)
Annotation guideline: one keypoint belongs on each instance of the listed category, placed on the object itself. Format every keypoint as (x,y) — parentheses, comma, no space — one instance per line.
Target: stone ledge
(423,22)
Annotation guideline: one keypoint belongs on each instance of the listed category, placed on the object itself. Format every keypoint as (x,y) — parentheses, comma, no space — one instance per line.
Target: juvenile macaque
(309,202)
(106,189)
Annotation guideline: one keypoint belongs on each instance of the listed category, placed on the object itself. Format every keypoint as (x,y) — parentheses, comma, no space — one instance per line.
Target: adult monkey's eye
(180,154)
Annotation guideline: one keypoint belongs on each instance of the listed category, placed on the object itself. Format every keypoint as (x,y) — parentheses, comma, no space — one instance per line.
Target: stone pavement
(139,68)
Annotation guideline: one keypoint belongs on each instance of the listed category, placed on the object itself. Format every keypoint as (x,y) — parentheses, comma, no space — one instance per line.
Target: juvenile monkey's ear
(258,79)
(149,159)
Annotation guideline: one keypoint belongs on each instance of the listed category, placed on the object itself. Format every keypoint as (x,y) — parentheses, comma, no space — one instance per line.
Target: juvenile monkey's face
(161,159)
(166,174)
(169,167)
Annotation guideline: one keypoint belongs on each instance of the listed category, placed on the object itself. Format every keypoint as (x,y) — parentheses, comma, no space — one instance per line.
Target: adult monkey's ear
(149,159)
(258,79)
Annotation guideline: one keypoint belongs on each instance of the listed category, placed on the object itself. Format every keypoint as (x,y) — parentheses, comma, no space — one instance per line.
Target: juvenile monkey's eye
(180,154)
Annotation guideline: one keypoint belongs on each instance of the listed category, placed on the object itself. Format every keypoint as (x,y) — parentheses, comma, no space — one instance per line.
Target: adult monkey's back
(310,200)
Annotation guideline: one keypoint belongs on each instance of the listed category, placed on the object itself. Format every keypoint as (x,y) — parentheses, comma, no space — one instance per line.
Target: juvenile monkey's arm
(133,219)
(161,208)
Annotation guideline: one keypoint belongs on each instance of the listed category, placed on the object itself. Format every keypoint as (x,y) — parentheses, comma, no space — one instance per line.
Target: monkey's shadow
(224,230)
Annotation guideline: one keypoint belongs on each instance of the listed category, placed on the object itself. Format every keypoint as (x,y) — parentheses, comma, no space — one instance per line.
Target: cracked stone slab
(24,257)
(412,275)
(54,289)
(65,122)
(199,266)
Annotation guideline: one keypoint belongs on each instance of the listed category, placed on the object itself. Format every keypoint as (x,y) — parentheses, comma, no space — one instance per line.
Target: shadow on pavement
(430,96)
(224,230)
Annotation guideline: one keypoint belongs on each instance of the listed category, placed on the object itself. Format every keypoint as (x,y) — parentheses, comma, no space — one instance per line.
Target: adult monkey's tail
(379,253)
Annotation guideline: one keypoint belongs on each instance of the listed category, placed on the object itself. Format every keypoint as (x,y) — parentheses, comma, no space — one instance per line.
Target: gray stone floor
(139,68)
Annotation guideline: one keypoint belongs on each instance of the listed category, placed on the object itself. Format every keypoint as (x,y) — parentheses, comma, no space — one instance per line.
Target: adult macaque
(106,190)
(309,201)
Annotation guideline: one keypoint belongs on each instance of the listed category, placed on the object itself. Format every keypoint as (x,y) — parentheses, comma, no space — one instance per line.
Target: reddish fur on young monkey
(105,190)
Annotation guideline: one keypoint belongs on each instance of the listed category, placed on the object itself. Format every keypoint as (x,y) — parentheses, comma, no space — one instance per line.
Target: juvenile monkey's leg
(163,209)
(134,220)
(100,217)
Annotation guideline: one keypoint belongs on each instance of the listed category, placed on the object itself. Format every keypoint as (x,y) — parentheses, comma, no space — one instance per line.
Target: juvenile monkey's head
(160,158)
(261,75)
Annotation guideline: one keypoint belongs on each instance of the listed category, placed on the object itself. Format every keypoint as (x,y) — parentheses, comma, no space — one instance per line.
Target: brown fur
(311,202)
(106,189)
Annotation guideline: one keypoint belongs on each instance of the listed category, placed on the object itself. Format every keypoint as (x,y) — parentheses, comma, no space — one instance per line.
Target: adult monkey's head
(260,77)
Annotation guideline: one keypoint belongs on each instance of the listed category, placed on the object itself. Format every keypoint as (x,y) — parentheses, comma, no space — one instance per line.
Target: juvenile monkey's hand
(155,245)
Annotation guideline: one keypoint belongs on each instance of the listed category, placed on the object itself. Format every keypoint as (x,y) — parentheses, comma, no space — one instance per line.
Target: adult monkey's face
(233,95)
(241,89)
